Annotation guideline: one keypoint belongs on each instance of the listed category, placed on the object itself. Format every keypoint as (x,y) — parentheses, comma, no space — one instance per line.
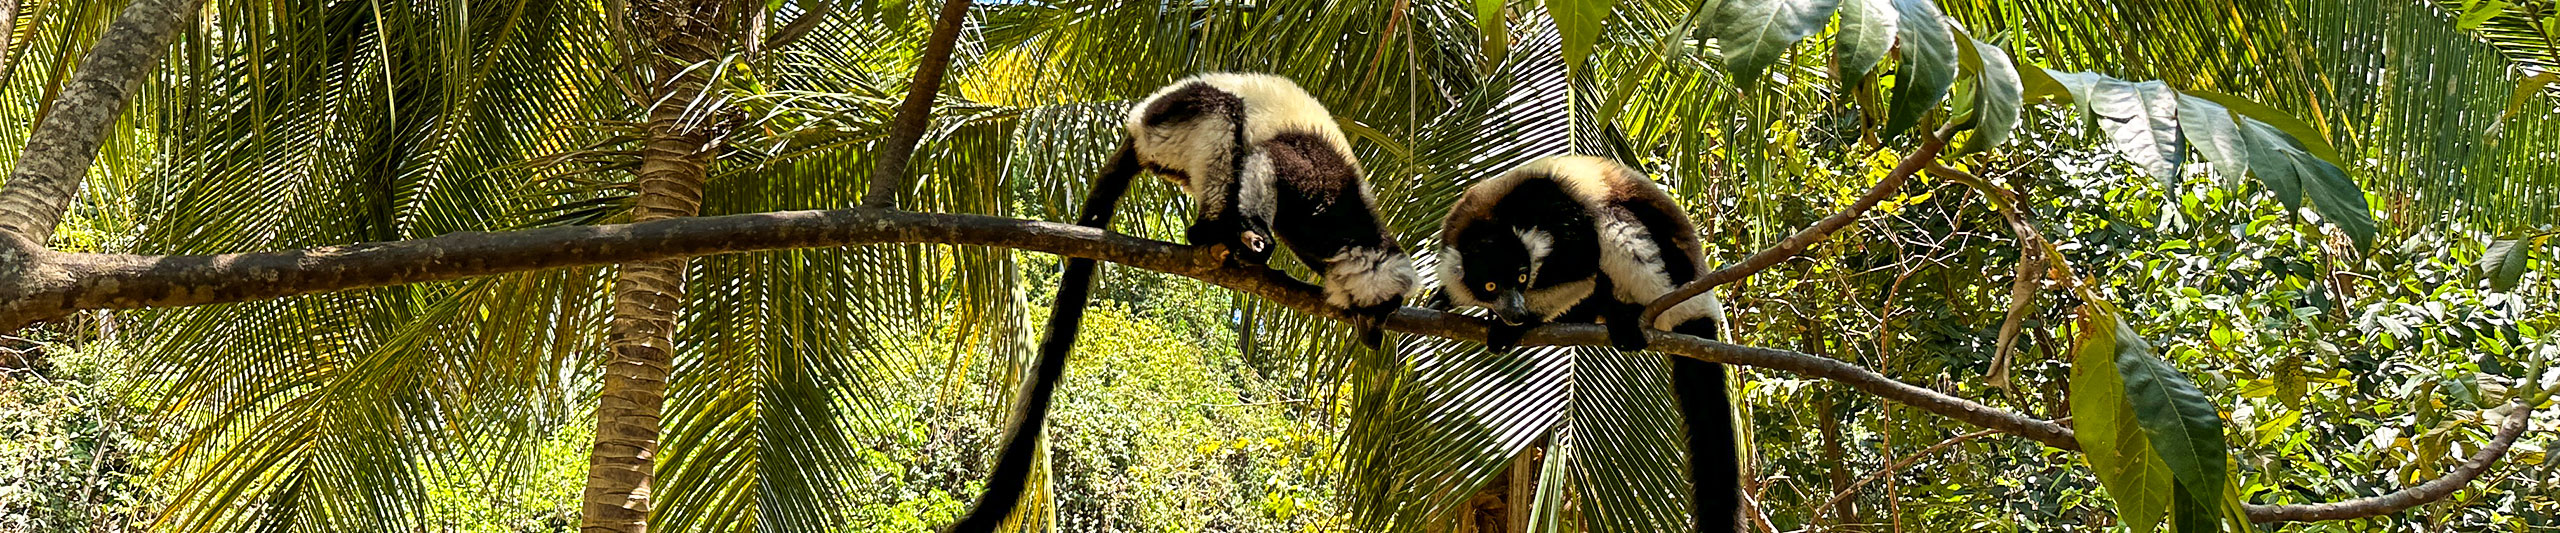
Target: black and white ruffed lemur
(1261,159)
(1584,239)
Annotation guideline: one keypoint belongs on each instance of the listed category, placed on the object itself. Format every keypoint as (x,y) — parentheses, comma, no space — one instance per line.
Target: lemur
(1582,239)
(1260,159)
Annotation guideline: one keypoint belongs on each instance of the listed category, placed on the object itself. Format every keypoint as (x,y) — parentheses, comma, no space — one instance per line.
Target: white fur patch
(1361,277)
(1452,271)
(1587,178)
(1633,262)
(1703,306)
(1539,244)
(1552,301)
(1256,194)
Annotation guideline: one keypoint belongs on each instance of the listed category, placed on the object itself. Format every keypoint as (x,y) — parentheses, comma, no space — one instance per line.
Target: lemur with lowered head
(1583,239)
(1261,160)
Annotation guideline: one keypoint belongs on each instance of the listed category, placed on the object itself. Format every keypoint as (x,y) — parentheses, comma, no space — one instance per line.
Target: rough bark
(63,145)
(889,177)
(675,160)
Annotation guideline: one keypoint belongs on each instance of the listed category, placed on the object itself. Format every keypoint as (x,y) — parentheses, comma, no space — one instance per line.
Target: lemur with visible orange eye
(1584,239)
(1261,159)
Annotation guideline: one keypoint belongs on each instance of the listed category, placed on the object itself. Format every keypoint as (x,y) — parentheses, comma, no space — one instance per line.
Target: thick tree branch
(36,284)
(916,111)
(63,145)
(1821,229)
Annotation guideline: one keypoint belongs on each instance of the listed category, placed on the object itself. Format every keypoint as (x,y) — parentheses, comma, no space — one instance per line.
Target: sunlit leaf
(2141,120)
(1928,64)
(1997,94)
(1867,28)
(2104,422)
(1756,32)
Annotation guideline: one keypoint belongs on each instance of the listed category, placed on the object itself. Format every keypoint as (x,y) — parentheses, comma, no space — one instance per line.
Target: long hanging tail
(1715,464)
(1066,313)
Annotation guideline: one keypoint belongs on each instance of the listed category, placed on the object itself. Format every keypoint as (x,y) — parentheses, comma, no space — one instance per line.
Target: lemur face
(1498,266)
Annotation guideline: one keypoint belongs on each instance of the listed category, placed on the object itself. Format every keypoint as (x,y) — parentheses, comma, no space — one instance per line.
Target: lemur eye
(1524,278)
(1488,286)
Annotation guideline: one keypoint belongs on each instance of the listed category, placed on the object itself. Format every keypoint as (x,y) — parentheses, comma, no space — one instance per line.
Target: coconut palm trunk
(675,157)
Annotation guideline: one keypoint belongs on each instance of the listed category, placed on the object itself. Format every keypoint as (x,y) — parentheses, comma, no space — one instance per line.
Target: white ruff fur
(1362,277)
(1451,274)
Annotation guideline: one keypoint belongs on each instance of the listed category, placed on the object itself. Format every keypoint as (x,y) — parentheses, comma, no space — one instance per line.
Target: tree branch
(1822,229)
(916,111)
(63,145)
(37,284)
(2519,418)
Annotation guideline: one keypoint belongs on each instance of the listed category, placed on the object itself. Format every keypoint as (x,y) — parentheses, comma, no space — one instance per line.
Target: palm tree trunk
(675,159)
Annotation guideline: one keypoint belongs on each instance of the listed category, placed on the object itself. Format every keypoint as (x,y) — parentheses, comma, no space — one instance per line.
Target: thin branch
(2518,418)
(1897,466)
(1822,229)
(916,111)
(799,26)
(37,284)
(63,145)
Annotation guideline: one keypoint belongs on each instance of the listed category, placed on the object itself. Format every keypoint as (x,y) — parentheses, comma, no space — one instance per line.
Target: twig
(1897,466)
(1820,230)
(916,111)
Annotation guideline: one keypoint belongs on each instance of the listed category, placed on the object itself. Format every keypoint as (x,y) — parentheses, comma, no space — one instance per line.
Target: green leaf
(2142,120)
(2067,87)
(2103,421)
(1928,66)
(2504,263)
(2290,172)
(2184,427)
(1579,21)
(1866,35)
(1997,95)
(2302,132)
(2471,20)
(2216,134)
(1489,23)
(2525,91)
(1755,32)
(2190,512)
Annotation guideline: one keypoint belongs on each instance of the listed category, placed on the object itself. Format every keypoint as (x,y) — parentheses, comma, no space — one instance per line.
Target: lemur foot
(1628,337)
(1503,337)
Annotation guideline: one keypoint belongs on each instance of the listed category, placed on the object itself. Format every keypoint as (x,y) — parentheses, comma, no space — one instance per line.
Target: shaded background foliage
(810,378)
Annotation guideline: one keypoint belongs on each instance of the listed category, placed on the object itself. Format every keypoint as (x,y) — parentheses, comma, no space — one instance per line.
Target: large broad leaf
(1996,95)
(1756,32)
(1866,34)
(1579,21)
(2184,427)
(2302,132)
(2103,421)
(1928,64)
(2291,172)
(2141,120)
(2216,135)
(2503,265)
